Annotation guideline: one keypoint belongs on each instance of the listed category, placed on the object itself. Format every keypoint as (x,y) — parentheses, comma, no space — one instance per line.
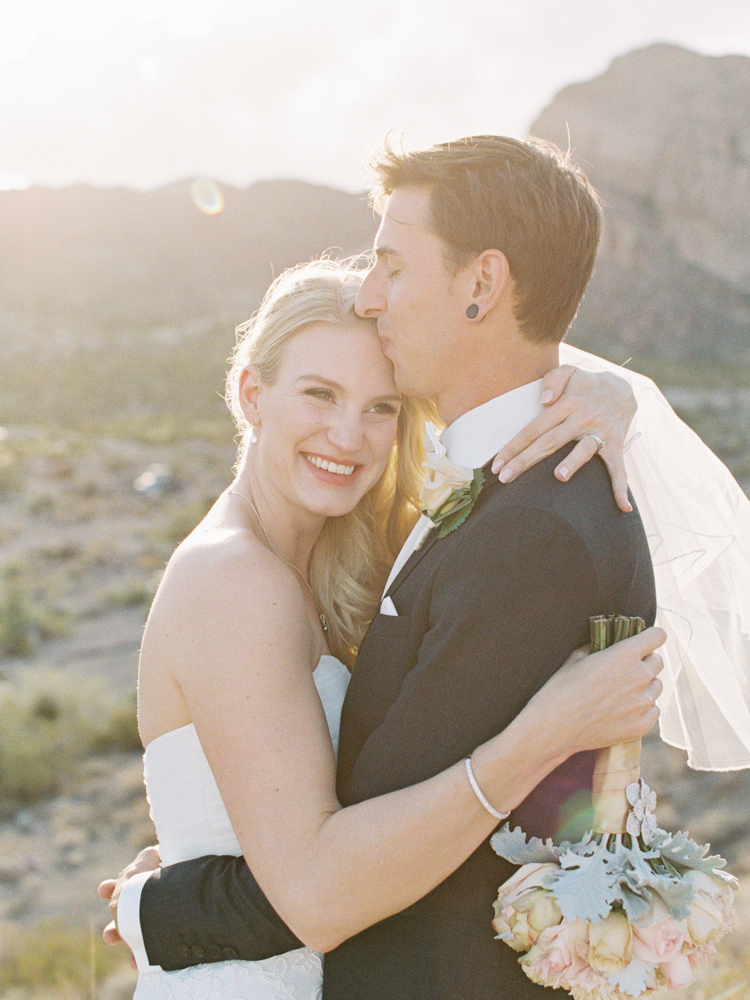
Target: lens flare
(207,196)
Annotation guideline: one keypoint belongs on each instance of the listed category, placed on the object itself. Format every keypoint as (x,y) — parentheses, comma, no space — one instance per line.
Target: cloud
(242,90)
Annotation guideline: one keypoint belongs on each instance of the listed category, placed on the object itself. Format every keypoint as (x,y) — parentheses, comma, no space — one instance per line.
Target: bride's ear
(251,387)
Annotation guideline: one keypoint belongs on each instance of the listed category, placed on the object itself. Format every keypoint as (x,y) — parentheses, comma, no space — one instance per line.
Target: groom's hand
(578,404)
(110,889)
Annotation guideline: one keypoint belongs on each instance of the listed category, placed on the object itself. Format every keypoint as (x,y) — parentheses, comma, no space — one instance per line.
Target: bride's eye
(385,409)
(320,393)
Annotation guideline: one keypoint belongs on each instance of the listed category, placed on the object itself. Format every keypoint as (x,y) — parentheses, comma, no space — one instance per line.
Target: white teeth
(322,463)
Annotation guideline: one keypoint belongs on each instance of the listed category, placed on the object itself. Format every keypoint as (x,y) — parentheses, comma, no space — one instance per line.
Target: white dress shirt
(471,440)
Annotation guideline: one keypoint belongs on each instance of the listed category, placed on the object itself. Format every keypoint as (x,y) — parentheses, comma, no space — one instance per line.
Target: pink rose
(657,937)
(678,972)
(527,877)
(559,956)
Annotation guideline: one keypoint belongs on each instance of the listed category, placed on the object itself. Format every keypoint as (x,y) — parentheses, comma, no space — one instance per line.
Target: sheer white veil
(698,524)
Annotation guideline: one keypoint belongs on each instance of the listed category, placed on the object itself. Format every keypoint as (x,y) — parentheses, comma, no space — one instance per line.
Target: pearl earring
(253,434)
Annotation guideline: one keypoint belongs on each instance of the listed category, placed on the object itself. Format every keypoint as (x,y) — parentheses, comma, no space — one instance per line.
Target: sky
(142,93)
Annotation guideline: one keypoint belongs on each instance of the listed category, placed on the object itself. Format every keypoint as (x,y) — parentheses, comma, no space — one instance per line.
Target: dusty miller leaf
(634,903)
(680,849)
(635,978)
(584,887)
(513,846)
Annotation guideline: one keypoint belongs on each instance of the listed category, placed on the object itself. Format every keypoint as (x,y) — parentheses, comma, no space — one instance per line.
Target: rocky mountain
(664,134)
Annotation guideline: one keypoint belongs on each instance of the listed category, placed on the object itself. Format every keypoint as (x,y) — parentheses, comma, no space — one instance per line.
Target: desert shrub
(25,618)
(120,731)
(49,723)
(130,594)
(55,959)
(183,520)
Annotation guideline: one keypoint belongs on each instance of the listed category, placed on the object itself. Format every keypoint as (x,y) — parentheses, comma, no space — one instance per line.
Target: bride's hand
(599,699)
(148,860)
(578,404)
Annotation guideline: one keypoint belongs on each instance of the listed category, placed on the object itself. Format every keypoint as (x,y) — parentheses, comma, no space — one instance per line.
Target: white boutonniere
(449,491)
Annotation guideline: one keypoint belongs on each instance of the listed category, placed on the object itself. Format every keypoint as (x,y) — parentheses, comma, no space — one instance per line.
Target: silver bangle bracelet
(478,791)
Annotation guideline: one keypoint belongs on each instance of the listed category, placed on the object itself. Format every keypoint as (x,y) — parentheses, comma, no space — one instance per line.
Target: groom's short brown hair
(524,198)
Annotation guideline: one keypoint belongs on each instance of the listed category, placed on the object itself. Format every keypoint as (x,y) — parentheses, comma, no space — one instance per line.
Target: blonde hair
(353,554)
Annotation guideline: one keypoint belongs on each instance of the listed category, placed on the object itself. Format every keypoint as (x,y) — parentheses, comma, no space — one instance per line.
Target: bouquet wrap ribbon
(617,766)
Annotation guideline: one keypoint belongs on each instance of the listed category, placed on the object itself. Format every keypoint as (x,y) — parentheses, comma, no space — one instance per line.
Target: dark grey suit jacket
(486,616)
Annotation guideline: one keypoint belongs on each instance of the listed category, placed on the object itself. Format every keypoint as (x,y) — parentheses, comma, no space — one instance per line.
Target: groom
(482,257)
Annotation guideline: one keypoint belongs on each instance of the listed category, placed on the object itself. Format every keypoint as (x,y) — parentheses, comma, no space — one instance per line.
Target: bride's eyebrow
(394,397)
(319,378)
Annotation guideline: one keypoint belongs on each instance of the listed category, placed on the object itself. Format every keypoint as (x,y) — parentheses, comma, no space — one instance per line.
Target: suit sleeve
(208,910)
(510,601)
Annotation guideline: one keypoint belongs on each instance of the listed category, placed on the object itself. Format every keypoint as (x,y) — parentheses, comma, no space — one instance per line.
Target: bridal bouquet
(628,909)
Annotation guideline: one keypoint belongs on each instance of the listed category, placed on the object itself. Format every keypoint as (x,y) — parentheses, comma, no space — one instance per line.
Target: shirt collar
(476,436)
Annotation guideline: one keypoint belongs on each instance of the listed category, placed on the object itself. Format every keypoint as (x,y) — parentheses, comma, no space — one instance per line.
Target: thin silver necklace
(322,617)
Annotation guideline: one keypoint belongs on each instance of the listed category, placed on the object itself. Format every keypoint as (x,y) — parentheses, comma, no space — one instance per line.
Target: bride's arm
(245,660)
(578,405)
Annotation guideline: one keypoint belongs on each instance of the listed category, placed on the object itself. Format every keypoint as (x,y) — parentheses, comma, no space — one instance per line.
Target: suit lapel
(418,554)
(414,559)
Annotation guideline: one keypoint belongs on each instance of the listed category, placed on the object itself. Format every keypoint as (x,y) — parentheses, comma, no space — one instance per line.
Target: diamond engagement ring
(599,442)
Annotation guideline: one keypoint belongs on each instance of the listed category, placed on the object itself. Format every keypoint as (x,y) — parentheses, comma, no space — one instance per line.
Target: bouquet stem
(617,766)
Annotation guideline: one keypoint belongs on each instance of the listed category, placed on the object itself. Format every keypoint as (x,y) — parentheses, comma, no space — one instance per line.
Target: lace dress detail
(191,821)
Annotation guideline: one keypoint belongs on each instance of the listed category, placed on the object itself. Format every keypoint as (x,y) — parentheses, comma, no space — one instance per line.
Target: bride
(243,663)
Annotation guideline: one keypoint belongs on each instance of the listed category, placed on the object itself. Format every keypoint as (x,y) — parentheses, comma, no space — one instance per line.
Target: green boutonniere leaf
(453,512)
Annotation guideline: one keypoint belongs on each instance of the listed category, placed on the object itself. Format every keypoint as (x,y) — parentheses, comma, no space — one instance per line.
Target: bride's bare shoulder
(221,573)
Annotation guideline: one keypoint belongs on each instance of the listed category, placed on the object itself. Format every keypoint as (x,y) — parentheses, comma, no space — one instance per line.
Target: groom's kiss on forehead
(483,253)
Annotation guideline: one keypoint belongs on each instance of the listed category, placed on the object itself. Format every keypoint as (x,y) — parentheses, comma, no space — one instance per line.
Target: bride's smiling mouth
(338,471)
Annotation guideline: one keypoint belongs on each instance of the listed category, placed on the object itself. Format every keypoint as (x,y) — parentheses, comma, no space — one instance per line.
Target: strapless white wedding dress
(191,821)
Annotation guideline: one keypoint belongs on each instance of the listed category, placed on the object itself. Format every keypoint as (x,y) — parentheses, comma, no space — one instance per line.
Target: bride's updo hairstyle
(352,557)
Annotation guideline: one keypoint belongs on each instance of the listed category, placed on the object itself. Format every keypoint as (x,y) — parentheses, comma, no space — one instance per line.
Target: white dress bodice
(191,821)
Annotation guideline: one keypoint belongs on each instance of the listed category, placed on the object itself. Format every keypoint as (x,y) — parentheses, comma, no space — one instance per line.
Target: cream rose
(541,909)
(523,936)
(610,943)
(443,478)
(705,920)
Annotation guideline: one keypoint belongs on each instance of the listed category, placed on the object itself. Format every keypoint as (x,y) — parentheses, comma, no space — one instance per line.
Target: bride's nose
(345,431)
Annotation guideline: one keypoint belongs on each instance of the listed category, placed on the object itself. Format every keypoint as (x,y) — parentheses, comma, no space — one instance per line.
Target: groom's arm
(209,909)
